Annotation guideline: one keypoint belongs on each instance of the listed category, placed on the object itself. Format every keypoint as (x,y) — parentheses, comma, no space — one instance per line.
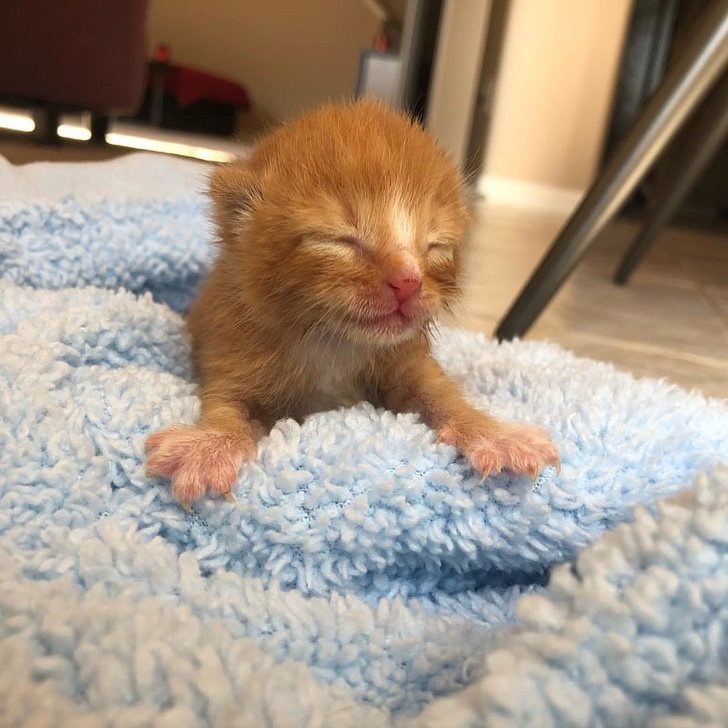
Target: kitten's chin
(386,329)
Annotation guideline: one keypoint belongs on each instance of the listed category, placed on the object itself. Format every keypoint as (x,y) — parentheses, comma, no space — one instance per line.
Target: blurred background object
(658,33)
(188,99)
(491,78)
(693,86)
(75,55)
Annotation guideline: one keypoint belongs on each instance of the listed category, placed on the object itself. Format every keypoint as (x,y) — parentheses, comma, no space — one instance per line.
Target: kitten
(339,243)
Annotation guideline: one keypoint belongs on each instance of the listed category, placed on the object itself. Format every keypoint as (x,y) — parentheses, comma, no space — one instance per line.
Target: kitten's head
(347,221)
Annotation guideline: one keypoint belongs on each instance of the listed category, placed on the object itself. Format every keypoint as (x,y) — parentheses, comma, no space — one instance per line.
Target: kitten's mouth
(395,321)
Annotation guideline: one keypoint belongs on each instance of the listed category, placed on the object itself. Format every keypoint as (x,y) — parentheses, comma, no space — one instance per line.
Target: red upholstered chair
(84,55)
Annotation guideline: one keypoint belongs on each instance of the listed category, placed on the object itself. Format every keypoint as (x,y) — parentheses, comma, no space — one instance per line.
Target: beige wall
(553,95)
(290,54)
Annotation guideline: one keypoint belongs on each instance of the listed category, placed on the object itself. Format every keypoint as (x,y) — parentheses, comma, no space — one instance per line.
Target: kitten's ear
(234,192)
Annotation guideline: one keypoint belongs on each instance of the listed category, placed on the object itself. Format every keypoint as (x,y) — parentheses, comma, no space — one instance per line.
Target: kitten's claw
(198,461)
(492,448)
(229,497)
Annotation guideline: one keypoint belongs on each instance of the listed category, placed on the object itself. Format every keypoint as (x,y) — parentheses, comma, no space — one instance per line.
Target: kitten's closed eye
(439,247)
(327,244)
(351,241)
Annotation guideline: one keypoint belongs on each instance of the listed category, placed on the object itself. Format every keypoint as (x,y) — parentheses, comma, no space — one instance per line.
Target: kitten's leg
(420,385)
(206,457)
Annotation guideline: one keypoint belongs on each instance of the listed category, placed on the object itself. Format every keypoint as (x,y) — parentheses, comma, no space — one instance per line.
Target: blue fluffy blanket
(363,577)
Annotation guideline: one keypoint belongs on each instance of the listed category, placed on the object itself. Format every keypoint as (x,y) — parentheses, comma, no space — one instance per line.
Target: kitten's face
(348,223)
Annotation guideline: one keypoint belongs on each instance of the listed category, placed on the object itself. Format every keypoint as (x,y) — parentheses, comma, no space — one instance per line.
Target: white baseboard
(515,193)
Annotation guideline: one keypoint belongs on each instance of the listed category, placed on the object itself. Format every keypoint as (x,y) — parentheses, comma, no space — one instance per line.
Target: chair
(82,55)
(696,74)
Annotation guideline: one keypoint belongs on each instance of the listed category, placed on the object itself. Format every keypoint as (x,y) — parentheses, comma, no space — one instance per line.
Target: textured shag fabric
(632,634)
(363,577)
(137,222)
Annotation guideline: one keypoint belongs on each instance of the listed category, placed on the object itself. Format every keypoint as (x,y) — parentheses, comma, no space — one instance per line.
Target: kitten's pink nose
(404,285)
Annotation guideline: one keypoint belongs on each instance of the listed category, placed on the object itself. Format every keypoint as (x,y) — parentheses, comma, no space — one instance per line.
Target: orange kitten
(339,243)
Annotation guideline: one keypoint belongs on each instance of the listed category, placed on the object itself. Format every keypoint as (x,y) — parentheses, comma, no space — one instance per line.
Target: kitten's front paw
(492,447)
(197,460)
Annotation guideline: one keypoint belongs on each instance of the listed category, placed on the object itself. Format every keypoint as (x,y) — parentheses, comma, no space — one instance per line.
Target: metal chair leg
(702,62)
(46,120)
(706,135)
(99,128)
